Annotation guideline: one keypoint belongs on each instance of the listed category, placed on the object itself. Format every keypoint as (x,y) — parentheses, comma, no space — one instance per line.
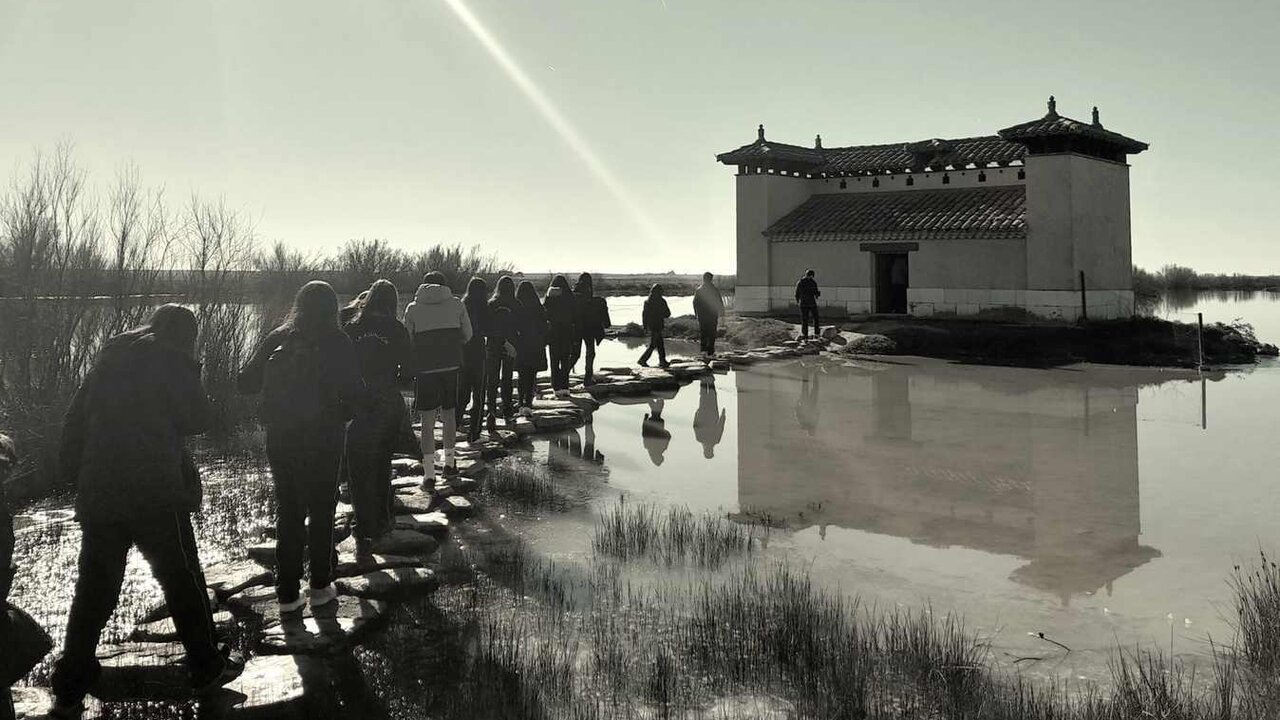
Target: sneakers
(232,667)
(642,363)
(450,471)
(66,711)
(562,393)
(323,596)
(664,364)
(292,605)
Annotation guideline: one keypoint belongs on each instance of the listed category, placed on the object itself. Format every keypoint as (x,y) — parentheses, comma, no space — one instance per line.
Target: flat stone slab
(397,542)
(349,566)
(435,524)
(457,506)
(406,466)
(408,481)
(142,671)
(159,610)
(413,501)
(271,687)
(457,486)
(391,583)
(164,631)
(331,628)
(254,601)
(228,578)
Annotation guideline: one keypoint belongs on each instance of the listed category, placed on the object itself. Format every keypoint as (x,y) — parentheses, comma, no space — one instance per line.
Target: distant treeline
(1178,278)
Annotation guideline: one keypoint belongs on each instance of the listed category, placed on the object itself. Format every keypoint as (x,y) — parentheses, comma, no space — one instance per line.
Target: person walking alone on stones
(382,352)
(500,352)
(530,342)
(807,294)
(563,333)
(123,450)
(708,306)
(654,318)
(438,327)
(310,382)
(593,320)
(471,376)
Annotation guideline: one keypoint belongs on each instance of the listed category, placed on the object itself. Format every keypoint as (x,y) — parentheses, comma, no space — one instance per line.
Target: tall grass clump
(524,485)
(638,530)
(1257,607)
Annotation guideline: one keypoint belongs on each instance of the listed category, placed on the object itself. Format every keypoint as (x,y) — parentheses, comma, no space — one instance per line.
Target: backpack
(292,394)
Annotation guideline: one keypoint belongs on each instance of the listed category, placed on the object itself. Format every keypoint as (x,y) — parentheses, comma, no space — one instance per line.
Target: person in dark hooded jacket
(500,351)
(593,320)
(471,376)
(122,448)
(654,317)
(530,342)
(563,333)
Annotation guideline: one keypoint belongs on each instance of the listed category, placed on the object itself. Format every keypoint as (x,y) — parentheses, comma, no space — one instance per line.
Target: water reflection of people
(708,421)
(654,432)
(581,447)
(807,404)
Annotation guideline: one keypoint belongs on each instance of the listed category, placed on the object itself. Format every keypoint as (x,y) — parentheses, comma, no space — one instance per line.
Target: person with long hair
(438,327)
(654,317)
(382,351)
(123,450)
(500,351)
(562,332)
(593,320)
(307,373)
(530,342)
(471,377)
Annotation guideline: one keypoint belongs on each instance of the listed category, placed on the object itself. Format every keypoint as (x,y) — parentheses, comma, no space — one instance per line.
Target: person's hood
(432,294)
(555,291)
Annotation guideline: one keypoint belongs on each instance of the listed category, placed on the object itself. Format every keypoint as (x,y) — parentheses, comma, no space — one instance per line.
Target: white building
(1035,217)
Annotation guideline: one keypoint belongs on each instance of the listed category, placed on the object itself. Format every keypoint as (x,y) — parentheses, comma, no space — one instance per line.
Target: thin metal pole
(1200,336)
(1204,412)
(1084,305)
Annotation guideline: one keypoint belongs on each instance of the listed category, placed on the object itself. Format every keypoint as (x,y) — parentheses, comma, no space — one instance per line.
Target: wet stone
(457,506)
(271,687)
(397,542)
(228,578)
(348,565)
(408,481)
(142,670)
(413,501)
(391,583)
(405,466)
(164,631)
(253,602)
(457,486)
(32,703)
(435,524)
(159,610)
(331,628)
(263,553)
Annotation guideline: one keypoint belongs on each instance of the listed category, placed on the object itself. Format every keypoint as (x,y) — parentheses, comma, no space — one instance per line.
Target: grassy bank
(517,635)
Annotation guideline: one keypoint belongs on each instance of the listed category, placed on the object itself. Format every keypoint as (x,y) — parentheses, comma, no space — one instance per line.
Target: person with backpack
(471,375)
(593,320)
(382,353)
(309,378)
(562,332)
(123,450)
(438,327)
(807,294)
(654,317)
(708,306)
(500,350)
(530,341)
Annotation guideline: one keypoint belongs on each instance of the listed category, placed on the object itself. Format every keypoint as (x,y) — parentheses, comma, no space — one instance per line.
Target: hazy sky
(334,119)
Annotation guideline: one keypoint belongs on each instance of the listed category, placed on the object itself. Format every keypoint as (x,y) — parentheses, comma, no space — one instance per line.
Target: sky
(581,134)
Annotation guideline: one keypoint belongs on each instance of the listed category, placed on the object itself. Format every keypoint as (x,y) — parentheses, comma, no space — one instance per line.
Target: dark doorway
(893,277)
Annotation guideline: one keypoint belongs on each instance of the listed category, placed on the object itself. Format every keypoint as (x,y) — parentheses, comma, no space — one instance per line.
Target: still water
(1101,506)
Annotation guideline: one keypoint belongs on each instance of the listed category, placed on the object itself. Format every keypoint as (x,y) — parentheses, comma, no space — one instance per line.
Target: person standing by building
(708,306)
(563,333)
(438,327)
(123,450)
(530,342)
(382,352)
(500,352)
(471,376)
(654,318)
(807,294)
(593,320)
(309,379)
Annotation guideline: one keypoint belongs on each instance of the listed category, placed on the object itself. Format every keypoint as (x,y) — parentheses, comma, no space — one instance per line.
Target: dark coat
(382,350)
(563,333)
(807,292)
(708,304)
(593,315)
(342,386)
(473,349)
(501,327)
(531,337)
(655,314)
(122,442)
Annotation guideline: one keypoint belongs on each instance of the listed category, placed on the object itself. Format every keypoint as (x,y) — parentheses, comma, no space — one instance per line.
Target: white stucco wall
(761,201)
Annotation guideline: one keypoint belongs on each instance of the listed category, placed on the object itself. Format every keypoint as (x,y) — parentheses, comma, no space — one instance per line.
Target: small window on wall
(946,179)
(875,182)
(1022,174)
(982,176)
(844,184)
(911,181)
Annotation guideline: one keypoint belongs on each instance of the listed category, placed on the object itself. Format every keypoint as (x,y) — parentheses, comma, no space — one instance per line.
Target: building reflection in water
(1039,464)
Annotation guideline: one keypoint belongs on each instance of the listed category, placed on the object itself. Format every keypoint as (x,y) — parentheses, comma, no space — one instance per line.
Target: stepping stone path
(287,675)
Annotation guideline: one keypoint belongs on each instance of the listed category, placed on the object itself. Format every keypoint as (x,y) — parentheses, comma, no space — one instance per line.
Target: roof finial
(760,131)
(817,143)
(1096,122)
(1053,107)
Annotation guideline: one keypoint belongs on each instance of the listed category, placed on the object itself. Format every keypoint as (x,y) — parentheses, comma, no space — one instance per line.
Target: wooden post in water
(1200,338)
(1084,304)
(1204,413)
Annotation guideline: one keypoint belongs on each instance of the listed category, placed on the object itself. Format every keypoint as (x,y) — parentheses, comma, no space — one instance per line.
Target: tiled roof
(870,159)
(986,213)
(1055,125)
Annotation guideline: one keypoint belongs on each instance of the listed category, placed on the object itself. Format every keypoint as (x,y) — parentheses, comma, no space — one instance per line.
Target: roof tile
(986,213)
